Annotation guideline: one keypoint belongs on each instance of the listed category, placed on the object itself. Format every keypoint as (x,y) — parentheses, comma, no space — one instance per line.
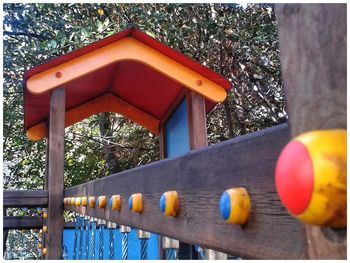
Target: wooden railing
(200,178)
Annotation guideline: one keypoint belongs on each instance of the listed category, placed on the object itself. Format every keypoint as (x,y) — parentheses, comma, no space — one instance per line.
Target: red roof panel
(134,82)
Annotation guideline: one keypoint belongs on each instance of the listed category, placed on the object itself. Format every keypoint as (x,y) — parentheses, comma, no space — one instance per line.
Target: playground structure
(189,197)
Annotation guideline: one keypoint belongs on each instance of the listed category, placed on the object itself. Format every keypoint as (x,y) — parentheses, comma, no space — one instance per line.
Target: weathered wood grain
(313,44)
(196,120)
(55,175)
(22,222)
(200,178)
(27,222)
(312,41)
(24,198)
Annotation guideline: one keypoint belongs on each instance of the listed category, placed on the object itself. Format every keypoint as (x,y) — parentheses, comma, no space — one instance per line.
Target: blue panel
(68,241)
(134,244)
(176,132)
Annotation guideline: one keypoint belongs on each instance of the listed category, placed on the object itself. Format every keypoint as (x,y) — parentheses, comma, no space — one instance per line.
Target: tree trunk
(109,149)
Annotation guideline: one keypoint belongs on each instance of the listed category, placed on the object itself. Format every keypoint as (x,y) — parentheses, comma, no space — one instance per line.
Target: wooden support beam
(196,120)
(47,152)
(24,198)
(22,222)
(27,222)
(198,138)
(313,54)
(55,175)
(200,178)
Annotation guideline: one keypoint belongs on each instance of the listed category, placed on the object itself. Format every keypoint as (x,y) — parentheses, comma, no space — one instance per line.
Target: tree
(239,43)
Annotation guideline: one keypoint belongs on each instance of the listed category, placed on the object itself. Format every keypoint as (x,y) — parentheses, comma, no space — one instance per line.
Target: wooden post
(313,55)
(55,175)
(196,120)
(47,152)
(199,138)
(162,151)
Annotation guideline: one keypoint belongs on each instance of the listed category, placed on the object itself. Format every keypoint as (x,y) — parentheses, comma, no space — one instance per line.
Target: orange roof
(128,73)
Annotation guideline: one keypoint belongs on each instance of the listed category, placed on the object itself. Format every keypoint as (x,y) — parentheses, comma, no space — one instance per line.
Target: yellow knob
(45,215)
(169,203)
(235,206)
(101,201)
(114,203)
(77,201)
(92,201)
(135,203)
(84,201)
(310,177)
(45,229)
(44,251)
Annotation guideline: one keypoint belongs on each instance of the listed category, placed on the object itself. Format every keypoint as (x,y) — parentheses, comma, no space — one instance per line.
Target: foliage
(239,43)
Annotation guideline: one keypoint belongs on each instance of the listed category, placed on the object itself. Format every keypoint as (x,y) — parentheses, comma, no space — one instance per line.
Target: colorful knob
(169,203)
(72,201)
(310,177)
(101,201)
(92,201)
(65,201)
(135,203)
(45,215)
(44,251)
(114,203)
(84,201)
(40,245)
(235,206)
(77,201)
(45,229)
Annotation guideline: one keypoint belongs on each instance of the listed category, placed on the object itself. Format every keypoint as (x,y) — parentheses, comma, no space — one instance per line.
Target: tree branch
(26,34)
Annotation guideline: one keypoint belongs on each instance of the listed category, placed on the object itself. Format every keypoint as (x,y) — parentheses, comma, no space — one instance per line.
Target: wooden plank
(24,198)
(200,178)
(313,55)
(22,222)
(27,222)
(55,175)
